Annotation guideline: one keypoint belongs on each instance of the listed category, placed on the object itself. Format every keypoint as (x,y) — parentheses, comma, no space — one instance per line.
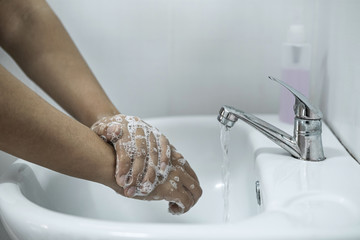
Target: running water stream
(225,170)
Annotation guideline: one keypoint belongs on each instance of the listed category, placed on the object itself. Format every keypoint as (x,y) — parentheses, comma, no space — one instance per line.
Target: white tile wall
(158,58)
(338,66)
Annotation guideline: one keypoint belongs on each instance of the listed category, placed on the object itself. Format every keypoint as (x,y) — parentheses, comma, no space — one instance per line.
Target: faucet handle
(303,108)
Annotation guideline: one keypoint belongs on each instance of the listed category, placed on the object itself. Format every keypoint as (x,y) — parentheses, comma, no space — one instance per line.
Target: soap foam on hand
(161,172)
(113,130)
(144,161)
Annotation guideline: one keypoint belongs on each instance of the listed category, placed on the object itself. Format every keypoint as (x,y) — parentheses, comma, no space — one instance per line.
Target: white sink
(300,200)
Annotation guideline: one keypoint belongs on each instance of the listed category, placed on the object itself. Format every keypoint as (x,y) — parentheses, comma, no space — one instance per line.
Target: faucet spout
(229,115)
(306,142)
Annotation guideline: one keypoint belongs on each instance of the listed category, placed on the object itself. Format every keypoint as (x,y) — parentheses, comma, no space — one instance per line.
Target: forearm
(34,130)
(33,35)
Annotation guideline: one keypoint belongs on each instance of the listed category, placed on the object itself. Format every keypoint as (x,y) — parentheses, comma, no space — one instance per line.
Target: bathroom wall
(157,58)
(337,69)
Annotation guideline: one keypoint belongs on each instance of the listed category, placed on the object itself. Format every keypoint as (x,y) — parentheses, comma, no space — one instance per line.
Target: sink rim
(114,230)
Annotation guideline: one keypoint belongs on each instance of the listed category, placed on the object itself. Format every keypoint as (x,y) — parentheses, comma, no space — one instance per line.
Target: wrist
(95,116)
(104,114)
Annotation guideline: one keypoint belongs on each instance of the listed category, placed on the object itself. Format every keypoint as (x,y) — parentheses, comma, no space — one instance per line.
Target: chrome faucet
(306,143)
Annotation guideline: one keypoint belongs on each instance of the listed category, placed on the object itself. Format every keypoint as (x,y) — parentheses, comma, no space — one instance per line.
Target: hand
(142,153)
(159,174)
(182,188)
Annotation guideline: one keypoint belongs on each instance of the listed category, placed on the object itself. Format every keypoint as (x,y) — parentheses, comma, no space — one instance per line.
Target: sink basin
(299,200)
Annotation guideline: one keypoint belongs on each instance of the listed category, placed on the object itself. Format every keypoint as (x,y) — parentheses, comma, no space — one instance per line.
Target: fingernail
(163,167)
(121,181)
(130,192)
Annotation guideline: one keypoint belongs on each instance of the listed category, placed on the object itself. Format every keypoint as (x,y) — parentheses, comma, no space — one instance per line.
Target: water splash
(225,170)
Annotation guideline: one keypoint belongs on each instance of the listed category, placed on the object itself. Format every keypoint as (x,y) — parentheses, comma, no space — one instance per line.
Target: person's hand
(182,188)
(142,153)
(144,170)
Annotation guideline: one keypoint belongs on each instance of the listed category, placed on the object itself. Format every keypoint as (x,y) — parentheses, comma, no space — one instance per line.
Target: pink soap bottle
(296,61)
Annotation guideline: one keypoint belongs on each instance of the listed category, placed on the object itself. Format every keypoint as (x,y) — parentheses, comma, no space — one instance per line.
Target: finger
(124,155)
(165,154)
(189,170)
(139,164)
(100,129)
(147,183)
(120,118)
(180,201)
(175,153)
(178,160)
(189,183)
(113,131)
(107,127)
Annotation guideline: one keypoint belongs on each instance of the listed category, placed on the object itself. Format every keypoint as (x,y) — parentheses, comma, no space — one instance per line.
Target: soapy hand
(147,166)
(182,188)
(142,153)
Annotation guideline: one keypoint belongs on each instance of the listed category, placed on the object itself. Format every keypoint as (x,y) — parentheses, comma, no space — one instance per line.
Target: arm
(34,130)
(35,38)
(32,34)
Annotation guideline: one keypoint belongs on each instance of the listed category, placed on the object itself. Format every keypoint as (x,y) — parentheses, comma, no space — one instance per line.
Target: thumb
(109,131)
